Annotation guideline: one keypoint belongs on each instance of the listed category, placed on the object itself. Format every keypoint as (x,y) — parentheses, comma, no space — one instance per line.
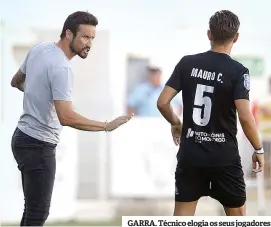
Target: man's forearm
(79,122)
(250,129)
(168,113)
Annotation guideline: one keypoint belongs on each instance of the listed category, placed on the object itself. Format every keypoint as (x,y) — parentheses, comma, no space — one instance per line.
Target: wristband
(260,151)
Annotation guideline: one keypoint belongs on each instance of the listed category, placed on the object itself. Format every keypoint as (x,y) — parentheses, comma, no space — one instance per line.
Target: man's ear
(235,37)
(69,35)
(209,34)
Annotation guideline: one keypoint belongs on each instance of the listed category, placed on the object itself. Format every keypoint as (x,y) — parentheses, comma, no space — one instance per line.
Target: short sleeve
(242,85)
(175,80)
(62,84)
(23,65)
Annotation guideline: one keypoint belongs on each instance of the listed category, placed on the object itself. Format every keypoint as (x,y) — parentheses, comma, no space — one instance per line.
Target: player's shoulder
(189,57)
(184,60)
(237,66)
(197,55)
(192,57)
(240,72)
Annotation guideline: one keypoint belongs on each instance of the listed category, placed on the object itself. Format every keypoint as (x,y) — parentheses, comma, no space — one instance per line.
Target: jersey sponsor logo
(206,137)
(190,133)
(246,81)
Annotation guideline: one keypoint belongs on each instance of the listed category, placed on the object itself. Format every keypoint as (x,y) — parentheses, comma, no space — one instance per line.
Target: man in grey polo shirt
(47,81)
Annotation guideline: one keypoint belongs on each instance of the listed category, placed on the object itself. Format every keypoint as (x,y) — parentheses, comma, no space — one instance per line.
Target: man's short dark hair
(224,25)
(74,20)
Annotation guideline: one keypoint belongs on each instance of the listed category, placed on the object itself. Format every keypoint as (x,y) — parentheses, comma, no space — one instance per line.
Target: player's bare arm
(68,117)
(18,80)
(249,126)
(163,104)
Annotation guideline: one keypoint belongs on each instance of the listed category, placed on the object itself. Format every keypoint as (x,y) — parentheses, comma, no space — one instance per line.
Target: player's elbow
(64,121)
(66,118)
(161,104)
(244,111)
(165,98)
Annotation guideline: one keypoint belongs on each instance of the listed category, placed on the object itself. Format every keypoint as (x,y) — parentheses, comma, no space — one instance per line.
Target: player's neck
(65,48)
(223,49)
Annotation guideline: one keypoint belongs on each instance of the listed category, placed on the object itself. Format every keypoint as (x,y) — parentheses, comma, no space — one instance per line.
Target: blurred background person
(142,100)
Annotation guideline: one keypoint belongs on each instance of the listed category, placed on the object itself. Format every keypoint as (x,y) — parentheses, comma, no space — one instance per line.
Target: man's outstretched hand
(112,125)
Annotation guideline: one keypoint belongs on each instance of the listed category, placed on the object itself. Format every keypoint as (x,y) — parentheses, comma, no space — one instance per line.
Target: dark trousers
(37,163)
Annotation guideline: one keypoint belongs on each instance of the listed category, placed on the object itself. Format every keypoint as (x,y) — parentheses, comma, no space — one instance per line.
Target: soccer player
(47,81)
(214,87)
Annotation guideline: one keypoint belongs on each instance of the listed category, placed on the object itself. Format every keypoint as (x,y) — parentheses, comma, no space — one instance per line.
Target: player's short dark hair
(75,19)
(224,25)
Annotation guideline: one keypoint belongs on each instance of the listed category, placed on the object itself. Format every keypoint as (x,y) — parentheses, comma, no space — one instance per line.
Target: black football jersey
(210,82)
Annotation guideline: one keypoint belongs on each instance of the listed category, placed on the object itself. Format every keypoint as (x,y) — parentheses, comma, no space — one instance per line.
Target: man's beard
(77,52)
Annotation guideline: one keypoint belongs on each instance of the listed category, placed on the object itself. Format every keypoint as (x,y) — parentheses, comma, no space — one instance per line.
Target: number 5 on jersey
(202,105)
